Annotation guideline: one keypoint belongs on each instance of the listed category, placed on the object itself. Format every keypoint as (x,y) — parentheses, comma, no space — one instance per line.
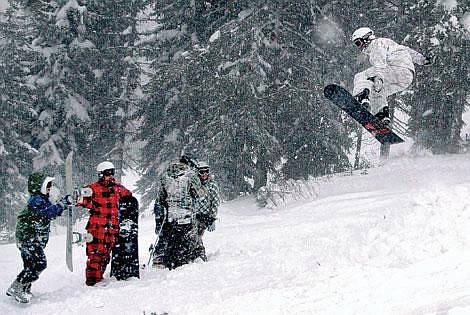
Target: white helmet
(204,171)
(106,165)
(362,37)
(202,165)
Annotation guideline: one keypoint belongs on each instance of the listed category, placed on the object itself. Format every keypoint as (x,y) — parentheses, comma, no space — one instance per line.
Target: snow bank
(393,241)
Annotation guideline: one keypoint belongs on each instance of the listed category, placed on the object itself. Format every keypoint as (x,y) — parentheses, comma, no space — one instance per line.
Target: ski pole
(154,245)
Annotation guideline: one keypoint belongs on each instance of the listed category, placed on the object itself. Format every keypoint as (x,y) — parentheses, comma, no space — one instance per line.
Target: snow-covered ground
(393,241)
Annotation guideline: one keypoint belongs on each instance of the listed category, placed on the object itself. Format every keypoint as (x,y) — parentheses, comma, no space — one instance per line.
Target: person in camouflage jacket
(174,215)
(206,207)
(101,198)
(32,232)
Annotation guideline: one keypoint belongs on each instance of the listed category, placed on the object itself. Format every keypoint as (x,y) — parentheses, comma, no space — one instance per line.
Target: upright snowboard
(344,100)
(69,211)
(125,256)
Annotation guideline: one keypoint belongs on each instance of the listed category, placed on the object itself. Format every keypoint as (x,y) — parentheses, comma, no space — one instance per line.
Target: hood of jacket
(37,183)
(177,169)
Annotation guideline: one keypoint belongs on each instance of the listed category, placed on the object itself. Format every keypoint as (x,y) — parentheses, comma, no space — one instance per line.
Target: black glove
(428,60)
(205,219)
(67,200)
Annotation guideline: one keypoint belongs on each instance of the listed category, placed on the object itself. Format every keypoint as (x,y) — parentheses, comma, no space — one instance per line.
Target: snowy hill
(393,241)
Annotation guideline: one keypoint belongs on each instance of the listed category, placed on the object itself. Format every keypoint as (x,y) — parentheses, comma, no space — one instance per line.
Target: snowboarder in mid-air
(32,232)
(392,71)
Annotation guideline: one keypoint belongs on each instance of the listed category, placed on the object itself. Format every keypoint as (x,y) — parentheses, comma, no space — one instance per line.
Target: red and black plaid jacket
(103,205)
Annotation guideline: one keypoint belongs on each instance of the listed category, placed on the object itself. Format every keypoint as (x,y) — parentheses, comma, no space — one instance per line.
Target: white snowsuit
(393,64)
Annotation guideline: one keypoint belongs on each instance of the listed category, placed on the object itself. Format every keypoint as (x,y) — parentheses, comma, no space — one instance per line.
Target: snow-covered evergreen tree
(17,101)
(112,27)
(441,89)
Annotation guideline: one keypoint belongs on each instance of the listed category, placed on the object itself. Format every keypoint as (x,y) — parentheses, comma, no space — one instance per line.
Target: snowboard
(69,191)
(344,100)
(125,255)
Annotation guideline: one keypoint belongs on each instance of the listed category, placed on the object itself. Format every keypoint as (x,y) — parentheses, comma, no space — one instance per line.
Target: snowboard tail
(344,100)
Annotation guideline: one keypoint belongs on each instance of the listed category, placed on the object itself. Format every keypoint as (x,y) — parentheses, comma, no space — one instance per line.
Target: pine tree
(82,79)
(17,113)
(236,97)
(171,105)
(440,95)
(112,27)
(59,105)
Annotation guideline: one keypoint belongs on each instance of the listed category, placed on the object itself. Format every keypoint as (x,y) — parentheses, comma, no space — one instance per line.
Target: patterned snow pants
(393,80)
(200,250)
(176,245)
(99,255)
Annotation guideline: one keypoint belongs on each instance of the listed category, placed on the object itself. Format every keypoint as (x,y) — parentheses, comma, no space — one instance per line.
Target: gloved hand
(54,195)
(211,227)
(67,200)
(428,60)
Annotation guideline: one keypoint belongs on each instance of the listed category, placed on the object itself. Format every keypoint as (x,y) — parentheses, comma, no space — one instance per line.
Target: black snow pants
(34,262)
(176,245)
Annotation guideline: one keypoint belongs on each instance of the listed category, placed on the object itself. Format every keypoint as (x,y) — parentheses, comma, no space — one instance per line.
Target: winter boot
(363,98)
(384,115)
(17,291)
(27,290)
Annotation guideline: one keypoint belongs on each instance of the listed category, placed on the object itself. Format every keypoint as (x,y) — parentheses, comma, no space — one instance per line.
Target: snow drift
(393,241)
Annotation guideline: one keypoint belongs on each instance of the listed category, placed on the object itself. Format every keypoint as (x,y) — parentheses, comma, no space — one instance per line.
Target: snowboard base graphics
(125,255)
(344,100)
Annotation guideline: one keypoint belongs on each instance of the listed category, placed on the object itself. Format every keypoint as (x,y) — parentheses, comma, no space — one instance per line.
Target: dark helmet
(187,159)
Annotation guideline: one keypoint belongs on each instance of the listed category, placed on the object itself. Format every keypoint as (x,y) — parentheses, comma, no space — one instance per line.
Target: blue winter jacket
(33,224)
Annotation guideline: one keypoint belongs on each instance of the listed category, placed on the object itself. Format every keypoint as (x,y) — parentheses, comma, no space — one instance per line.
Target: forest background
(236,83)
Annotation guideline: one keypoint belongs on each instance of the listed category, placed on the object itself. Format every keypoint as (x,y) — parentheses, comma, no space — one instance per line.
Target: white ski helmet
(203,171)
(202,165)
(362,37)
(106,165)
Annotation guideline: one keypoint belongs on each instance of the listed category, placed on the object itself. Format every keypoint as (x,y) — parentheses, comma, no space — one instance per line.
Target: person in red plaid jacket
(102,199)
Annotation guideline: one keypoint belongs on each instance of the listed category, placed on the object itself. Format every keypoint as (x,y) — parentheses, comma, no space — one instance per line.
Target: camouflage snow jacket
(179,188)
(208,202)
(33,223)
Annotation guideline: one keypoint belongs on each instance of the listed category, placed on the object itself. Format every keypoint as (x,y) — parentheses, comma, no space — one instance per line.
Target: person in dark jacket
(32,232)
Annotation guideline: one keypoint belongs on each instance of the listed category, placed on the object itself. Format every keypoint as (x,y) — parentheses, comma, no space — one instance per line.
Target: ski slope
(393,241)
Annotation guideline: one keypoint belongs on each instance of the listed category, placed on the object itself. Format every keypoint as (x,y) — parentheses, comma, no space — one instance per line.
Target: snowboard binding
(363,98)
